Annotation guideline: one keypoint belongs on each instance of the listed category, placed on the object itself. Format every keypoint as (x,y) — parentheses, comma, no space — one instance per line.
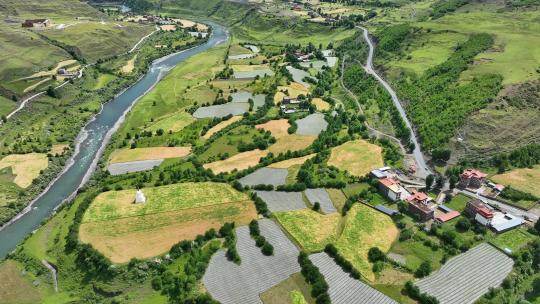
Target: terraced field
(466,277)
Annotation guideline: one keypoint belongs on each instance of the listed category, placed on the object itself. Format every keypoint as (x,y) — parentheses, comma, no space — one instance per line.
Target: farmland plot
(342,287)
(466,277)
(312,124)
(231,283)
(134,166)
(253,74)
(321,196)
(221,110)
(282,201)
(267,176)
(299,75)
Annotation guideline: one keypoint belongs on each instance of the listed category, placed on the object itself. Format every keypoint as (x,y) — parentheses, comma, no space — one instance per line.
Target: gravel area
(230,283)
(134,166)
(466,277)
(312,124)
(253,74)
(343,289)
(320,195)
(222,110)
(267,176)
(282,201)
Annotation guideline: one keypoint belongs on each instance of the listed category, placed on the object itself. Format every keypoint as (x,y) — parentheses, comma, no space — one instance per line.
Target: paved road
(422,168)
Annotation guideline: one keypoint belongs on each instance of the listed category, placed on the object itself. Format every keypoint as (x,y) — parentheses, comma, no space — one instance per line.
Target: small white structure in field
(139,197)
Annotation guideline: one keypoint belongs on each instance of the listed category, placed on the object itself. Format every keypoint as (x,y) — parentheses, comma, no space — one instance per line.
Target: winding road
(422,169)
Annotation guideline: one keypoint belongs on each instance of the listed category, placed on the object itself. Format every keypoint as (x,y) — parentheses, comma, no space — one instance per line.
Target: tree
(267,249)
(429,181)
(537,226)
(316,206)
(463,224)
(375,255)
(423,270)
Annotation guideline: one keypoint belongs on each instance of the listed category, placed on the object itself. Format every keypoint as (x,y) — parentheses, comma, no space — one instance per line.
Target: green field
(96,40)
(311,230)
(6,106)
(516,53)
(415,252)
(458,202)
(365,228)
(513,239)
(119,204)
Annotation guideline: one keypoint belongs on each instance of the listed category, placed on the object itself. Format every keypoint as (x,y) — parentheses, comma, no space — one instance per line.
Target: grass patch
(293,290)
(172,123)
(513,239)
(25,167)
(415,252)
(523,179)
(129,155)
(6,106)
(458,202)
(311,230)
(365,228)
(103,80)
(358,157)
(15,288)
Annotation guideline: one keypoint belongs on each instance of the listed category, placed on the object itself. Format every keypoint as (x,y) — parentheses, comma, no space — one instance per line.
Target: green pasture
(6,105)
(513,239)
(458,202)
(56,10)
(228,143)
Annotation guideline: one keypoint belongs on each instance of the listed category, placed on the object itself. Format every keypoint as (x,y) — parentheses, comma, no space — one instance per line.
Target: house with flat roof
(472,179)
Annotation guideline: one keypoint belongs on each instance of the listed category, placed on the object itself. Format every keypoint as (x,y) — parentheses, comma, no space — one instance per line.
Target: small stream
(92,140)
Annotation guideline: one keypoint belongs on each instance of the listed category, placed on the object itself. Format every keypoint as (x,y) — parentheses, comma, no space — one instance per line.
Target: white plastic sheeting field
(253,74)
(134,166)
(234,284)
(266,176)
(298,75)
(343,289)
(282,201)
(234,108)
(312,124)
(321,196)
(466,277)
(243,96)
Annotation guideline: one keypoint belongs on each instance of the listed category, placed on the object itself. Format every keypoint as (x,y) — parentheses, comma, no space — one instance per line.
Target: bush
(423,270)
(267,249)
(375,255)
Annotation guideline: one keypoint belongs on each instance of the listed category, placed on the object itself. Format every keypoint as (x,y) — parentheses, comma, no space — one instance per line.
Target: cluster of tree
(437,105)
(414,292)
(347,266)
(522,157)
(443,7)
(366,88)
(260,205)
(315,173)
(138,6)
(227,232)
(226,73)
(260,241)
(324,83)
(319,287)
(87,258)
(391,38)
(517,195)
(258,142)
(214,122)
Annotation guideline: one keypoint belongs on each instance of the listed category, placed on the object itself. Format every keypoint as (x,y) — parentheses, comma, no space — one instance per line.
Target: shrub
(267,249)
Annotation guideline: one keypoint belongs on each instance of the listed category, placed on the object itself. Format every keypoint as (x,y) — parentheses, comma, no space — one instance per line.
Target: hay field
(59,149)
(173,122)
(358,157)
(240,161)
(122,230)
(524,179)
(365,228)
(278,128)
(129,155)
(294,89)
(220,126)
(291,162)
(25,167)
(320,104)
(311,230)
(292,142)
(129,66)
(16,288)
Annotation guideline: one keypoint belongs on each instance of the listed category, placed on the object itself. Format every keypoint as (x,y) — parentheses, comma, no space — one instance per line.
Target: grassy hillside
(52,9)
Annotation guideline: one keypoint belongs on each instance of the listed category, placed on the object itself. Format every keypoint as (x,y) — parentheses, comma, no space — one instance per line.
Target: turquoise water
(93,137)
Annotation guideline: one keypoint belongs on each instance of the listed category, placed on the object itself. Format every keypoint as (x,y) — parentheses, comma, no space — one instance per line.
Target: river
(92,140)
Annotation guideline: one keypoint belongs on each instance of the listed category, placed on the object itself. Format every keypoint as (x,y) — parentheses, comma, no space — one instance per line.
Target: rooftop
(504,221)
(470,173)
(417,196)
(445,217)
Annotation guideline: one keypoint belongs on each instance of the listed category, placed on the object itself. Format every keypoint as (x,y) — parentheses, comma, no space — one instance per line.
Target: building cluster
(476,181)
(291,105)
(396,187)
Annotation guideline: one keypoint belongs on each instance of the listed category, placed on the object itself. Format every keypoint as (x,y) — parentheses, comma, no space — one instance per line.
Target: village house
(421,206)
(486,216)
(36,23)
(472,179)
(391,189)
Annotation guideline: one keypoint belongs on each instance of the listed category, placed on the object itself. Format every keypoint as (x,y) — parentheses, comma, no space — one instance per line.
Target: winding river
(91,142)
